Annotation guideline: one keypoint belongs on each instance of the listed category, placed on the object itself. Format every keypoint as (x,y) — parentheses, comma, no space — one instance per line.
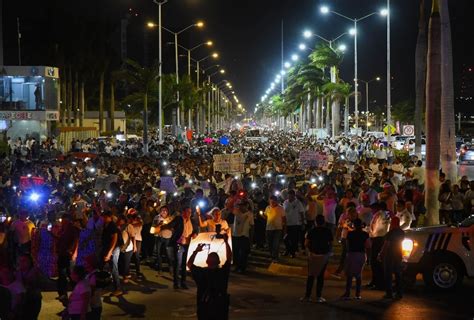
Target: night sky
(247,34)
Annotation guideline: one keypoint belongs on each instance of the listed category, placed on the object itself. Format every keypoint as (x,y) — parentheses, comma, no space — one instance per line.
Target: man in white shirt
(294,212)
(381,154)
(352,155)
(243,222)
(418,173)
(404,215)
(276,223)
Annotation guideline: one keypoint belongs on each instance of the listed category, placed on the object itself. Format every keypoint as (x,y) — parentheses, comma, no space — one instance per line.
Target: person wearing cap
(391,256)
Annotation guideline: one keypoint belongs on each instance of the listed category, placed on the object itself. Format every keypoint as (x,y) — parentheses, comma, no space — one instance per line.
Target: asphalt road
(264,295)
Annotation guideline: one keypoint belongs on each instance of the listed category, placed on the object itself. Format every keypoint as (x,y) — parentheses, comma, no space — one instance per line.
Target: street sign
(409,130)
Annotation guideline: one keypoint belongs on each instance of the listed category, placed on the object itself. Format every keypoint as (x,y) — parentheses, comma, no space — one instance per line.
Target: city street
(263,295)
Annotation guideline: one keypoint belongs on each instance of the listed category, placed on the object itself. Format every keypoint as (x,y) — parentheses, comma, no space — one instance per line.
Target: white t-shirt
(242,223)
(275,217)
(75,299)
(293,212)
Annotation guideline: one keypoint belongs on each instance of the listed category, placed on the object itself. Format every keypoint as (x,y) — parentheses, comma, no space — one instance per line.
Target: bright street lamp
(199,24)
(324,9)
(302,46)
(342,47)
(294,57)
(384,12)
(307,34)
(287,65)
(353,31)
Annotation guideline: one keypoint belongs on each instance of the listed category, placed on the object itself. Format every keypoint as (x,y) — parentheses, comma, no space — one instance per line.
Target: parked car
(399,141)
(466,154)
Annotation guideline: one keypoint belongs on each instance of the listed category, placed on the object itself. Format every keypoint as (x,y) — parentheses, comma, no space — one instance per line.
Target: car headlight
(407,248)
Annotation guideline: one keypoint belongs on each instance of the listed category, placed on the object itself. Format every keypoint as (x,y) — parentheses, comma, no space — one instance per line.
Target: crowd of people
(106,208)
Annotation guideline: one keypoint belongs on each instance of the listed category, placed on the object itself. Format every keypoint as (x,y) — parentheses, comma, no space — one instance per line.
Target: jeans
(375,265)
(319,284)
(64,272)
(292,239)
(393,268)
(125,258)
(241,246)
(136,256)
(342,260)
(274,238)
(159,244)
(358,278)
(113,267)
(180,253)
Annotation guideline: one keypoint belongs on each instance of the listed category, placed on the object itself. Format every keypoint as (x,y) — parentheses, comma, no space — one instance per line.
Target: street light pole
(367,106)
(356,102)
(177,78)
(389,97)
(160,72)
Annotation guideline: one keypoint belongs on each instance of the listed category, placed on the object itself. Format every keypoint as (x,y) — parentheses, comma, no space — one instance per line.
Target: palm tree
(448,139)
(346,92)
(433,116)
(334,91)
(326,57)
(144,81)
(420,77)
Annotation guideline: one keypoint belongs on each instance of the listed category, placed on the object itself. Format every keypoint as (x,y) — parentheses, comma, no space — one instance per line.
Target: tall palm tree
(346,92)
(144,81)
(326,57)
(433,116)
(420,77)
(334,91)
(448,139)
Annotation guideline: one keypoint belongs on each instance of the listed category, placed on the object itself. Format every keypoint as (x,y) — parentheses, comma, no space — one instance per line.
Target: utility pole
(1,32)
(19,40)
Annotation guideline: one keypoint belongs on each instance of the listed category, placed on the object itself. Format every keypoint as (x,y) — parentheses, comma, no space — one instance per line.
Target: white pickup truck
(444,255)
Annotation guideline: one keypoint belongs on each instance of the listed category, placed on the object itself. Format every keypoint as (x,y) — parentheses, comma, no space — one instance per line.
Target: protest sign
(229,163)
(310,159)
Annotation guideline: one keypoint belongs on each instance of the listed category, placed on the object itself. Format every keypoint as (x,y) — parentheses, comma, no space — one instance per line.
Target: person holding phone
(212,297)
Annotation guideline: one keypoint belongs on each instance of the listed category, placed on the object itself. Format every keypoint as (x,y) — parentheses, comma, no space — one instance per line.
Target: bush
(403,155)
